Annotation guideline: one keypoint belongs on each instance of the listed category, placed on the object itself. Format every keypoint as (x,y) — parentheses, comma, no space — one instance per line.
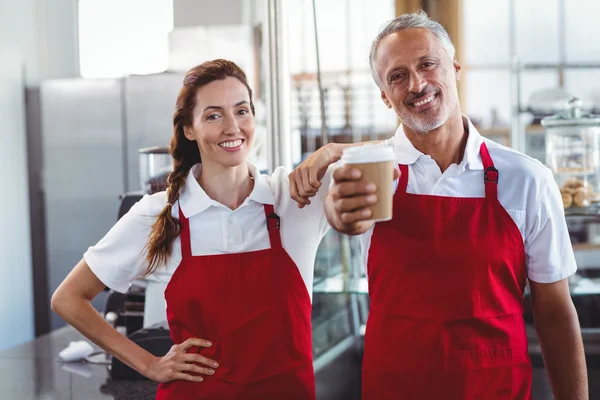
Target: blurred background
(87,91)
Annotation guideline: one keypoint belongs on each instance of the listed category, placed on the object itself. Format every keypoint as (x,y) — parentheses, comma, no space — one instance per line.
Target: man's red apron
(446,281)
(255,309)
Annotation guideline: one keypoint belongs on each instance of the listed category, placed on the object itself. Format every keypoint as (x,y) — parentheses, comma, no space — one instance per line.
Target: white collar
(193,199)
(407,154)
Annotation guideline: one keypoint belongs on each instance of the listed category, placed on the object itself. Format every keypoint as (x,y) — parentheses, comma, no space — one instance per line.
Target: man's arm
(558,331)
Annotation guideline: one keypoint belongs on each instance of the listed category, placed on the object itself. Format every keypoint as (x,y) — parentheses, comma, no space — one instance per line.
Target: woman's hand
(305,180)
(177,363)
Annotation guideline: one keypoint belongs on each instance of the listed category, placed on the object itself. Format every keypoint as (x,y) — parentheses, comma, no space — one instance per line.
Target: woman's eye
(212,117)
(243,111)
(428,64)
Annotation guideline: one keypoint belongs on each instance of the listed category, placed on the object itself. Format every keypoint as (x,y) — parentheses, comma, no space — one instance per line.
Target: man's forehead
(407,47)
(411,43)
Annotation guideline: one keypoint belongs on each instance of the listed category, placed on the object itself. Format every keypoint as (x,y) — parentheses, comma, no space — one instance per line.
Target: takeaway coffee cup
(377,163)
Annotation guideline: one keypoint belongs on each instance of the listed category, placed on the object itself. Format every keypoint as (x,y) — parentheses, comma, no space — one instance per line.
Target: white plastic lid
(368,153)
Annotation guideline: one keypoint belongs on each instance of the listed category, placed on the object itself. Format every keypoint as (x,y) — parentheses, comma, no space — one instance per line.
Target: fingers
(352,188)
(346,173)
(396,172)
(295,195)
(310,183)
(303,179)
(352,217)
(197,369)
(193,342)
(197,358)
(357,203)
(187,377)
(351,199)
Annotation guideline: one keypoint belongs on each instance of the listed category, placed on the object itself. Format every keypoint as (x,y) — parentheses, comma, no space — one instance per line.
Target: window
(123,37)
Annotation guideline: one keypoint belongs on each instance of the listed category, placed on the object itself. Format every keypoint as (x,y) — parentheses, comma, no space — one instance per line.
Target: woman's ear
(189,133)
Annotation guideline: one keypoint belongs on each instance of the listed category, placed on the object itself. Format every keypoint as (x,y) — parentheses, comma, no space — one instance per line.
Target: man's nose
(417,83)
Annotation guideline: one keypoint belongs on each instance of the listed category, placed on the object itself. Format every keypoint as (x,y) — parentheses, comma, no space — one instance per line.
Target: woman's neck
(229,186)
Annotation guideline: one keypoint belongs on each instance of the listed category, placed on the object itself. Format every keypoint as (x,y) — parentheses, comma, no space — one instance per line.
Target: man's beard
(422,124)
(427,120)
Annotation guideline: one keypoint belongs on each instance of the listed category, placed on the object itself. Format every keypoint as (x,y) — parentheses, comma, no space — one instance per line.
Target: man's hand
(348,200)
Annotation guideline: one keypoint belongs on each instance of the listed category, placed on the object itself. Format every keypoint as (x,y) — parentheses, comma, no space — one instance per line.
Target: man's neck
(445,145)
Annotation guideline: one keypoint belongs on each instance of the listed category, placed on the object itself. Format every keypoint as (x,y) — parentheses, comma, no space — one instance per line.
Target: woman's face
(223,124)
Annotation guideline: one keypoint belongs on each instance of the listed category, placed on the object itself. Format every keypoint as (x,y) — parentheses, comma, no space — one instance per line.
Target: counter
(30,372)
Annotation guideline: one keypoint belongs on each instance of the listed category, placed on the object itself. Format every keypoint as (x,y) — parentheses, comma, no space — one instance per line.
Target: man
(473,221)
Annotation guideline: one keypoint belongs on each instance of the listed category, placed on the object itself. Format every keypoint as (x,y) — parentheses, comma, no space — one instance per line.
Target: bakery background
(87,89)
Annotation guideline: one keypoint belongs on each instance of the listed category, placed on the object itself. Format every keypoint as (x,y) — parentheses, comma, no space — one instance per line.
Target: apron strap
(403,181)
(273,225)
(490,174)
(184,235)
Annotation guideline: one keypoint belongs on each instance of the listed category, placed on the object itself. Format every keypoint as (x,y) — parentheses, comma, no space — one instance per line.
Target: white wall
(38,40)
(58,46)
(16,293)
(188,13)
(44,34)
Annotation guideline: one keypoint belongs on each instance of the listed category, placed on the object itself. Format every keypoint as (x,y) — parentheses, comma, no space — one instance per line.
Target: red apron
(255,309)
(446,281)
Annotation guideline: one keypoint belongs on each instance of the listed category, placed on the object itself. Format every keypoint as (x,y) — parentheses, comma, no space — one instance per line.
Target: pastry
(580,198)
(567,199)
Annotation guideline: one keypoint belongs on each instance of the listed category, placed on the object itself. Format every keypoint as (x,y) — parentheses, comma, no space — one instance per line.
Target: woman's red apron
(255,309)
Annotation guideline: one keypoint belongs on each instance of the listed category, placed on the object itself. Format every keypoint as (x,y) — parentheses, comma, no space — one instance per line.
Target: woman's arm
(72,301)
(305,180)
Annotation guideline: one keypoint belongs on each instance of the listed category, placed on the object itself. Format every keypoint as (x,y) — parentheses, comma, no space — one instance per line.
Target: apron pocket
(479,374)
(457,375)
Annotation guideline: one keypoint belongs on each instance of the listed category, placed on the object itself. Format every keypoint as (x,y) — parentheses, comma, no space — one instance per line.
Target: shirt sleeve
(118,258)
(314,213)
(318,203)
(548,248)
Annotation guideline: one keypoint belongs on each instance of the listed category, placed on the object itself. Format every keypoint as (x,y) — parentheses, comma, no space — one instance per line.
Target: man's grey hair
(419,19)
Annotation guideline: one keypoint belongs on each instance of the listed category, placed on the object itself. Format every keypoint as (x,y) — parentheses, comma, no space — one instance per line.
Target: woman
(235,248)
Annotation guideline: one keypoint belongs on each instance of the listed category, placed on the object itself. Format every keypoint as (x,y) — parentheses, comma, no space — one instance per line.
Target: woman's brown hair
(185,154)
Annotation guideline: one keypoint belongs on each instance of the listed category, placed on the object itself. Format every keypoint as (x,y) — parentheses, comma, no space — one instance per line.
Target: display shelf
(592,212)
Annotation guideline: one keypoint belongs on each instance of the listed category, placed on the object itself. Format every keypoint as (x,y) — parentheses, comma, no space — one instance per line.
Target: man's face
(418,79)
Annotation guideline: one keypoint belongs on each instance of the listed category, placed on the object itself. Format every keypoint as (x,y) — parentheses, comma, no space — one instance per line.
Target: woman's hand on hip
(178,363)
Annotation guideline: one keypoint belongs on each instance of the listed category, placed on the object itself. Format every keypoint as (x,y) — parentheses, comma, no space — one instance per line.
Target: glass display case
(573,155)
(338,314)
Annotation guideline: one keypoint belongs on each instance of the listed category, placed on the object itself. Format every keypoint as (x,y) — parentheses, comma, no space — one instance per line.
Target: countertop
(31,372)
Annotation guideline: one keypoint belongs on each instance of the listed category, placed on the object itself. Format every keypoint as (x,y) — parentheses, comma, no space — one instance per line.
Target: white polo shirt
(119,258)
(526,189)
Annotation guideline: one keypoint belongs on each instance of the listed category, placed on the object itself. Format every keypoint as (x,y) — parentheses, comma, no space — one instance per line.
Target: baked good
(580,198)
(567,199)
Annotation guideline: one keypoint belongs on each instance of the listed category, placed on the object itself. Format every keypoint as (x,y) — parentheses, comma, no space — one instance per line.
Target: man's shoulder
(520,167)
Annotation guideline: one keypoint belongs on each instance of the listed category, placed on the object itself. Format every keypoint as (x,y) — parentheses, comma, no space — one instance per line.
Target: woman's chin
(233,161)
